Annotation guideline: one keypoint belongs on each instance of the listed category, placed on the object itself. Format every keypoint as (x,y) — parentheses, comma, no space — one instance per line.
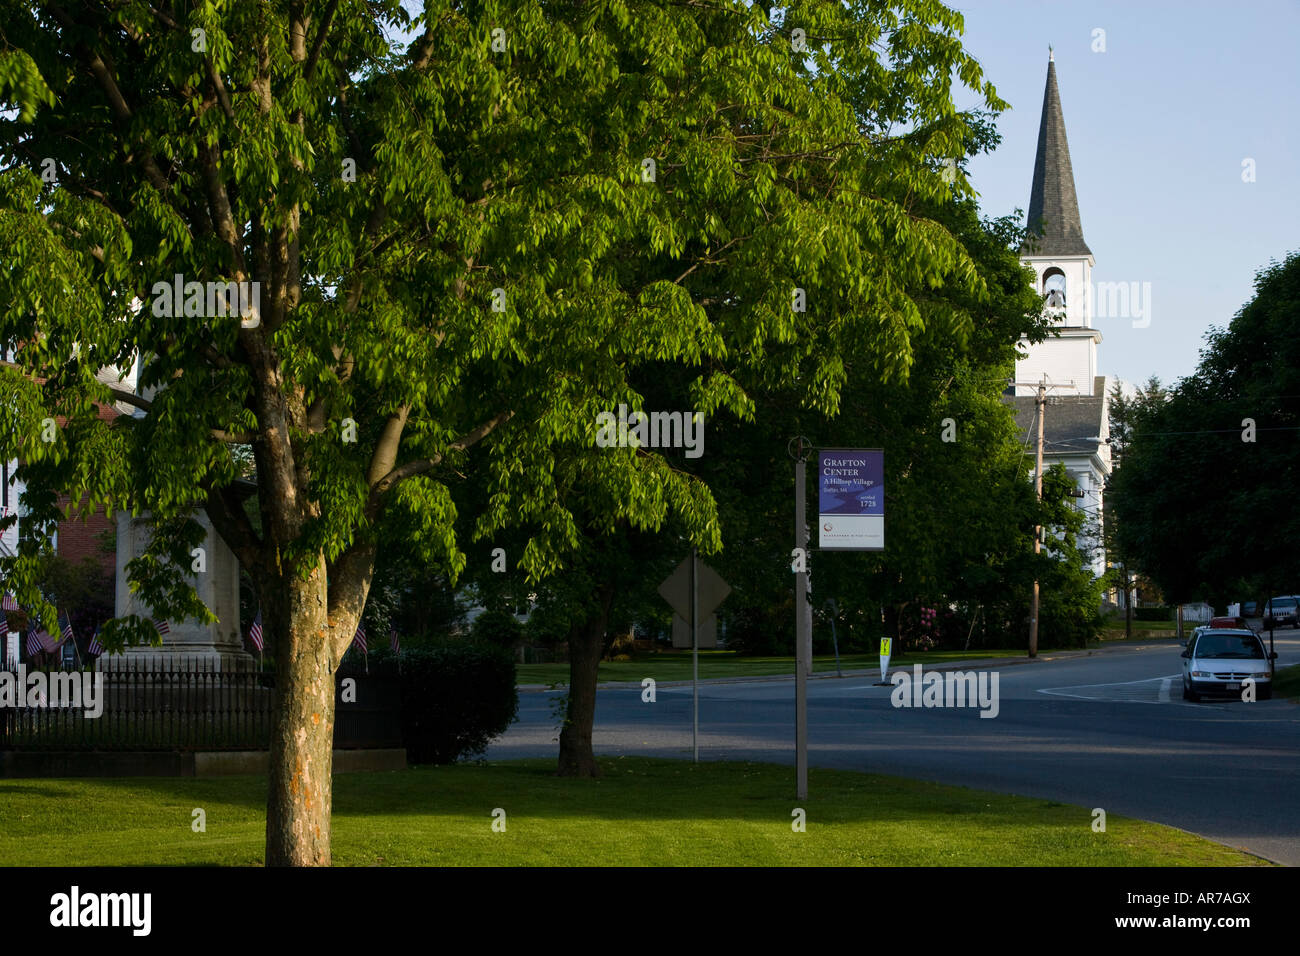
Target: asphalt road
(1109,730)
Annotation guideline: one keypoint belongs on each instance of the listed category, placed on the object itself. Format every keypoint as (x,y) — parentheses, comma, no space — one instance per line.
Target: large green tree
(1124,411)
(1204,497)
(472,239)
(959,510)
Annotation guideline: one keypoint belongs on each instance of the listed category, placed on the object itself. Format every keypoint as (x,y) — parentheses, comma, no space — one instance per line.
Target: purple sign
(851,499)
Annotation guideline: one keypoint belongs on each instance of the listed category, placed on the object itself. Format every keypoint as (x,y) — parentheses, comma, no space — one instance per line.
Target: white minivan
(1217,660)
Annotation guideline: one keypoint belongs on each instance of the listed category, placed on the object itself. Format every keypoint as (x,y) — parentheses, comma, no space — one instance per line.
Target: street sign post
(694,591)
(676,590)
(850,517)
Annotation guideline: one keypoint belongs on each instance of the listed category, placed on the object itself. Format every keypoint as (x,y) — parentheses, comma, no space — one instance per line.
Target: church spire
(1054,226)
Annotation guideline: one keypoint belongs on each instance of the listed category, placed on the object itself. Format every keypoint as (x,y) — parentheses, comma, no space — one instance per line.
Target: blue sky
(1158,125)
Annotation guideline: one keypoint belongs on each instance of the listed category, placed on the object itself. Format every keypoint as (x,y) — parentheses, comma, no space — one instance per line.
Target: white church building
(1075,422)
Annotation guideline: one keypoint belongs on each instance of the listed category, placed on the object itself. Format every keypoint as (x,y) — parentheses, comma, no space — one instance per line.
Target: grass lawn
(1286,682)
(642,813)
(676,665)
(1146,631)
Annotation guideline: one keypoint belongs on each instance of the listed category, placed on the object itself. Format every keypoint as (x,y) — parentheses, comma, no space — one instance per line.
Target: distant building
(77,538)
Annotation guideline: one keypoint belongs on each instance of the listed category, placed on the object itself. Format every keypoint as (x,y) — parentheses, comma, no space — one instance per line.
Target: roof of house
(1069,422)
(1054,224)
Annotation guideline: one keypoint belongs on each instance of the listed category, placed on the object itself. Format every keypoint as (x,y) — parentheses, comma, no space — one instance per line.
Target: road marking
(1130,692)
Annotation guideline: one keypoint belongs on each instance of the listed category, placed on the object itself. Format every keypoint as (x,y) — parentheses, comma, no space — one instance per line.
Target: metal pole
(695,651)
(835,639)
(801,626)
(1271,663)
(1041,402)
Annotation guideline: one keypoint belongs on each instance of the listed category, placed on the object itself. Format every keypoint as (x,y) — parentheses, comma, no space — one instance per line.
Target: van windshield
(1229,645)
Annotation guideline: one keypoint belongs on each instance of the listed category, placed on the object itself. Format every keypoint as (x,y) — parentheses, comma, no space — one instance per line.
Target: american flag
(48,641)
(162,626)
(255,632)
(67,626)
(34,643)
(4,624)
(359,638)
(393,640)
(95,648)
(9,603)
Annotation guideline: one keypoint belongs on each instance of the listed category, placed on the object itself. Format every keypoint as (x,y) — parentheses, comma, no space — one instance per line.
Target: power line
(1217,431)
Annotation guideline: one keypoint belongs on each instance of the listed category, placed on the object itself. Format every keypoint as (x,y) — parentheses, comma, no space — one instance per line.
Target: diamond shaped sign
(676,590)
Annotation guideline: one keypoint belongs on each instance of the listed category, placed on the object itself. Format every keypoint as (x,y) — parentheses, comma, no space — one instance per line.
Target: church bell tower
(1061,261)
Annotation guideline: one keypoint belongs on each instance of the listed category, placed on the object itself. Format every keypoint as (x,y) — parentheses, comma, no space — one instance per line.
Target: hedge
(456,696)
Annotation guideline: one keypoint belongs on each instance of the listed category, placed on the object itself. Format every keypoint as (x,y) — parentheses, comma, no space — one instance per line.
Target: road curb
(978,663)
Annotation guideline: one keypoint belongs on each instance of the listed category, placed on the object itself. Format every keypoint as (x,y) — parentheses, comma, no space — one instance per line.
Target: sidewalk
(976,663)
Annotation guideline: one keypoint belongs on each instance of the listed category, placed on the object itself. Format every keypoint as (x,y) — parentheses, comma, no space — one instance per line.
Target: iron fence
(181,705)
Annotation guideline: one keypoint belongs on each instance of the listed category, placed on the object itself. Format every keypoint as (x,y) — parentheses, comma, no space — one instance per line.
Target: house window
(31,530)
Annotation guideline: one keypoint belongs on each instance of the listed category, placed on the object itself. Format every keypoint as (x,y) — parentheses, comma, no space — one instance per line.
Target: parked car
(1282,610)
(1217,660)
(1231,623)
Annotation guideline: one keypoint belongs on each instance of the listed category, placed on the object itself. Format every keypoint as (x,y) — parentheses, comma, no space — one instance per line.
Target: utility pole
(1041,406)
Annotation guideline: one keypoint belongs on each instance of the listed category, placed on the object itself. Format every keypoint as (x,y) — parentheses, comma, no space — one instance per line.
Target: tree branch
(231,521)
(233,438)
(130,398)
(219,87)
(223,219)
(421,465)
(95,63)
(314,55)
(382,461)
(349,585)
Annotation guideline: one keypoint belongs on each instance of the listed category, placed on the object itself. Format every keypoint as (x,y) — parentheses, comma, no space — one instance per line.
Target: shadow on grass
(632,788)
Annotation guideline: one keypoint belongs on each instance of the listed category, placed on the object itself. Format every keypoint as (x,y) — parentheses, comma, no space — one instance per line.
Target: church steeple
(1054,226)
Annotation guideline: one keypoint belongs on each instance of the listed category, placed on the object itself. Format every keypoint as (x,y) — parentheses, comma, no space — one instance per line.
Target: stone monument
(188,644)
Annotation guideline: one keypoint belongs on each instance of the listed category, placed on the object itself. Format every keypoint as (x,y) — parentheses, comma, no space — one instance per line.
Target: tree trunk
(893,626)
(586,647)
(302,737)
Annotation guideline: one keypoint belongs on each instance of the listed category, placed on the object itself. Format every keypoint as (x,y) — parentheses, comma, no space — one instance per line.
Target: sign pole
(801,635)
(1041,403)
(695,651)
(834,639)
(850,517)
(692,590)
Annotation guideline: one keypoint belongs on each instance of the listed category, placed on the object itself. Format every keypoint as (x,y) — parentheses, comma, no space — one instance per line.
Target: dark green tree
(1203,498)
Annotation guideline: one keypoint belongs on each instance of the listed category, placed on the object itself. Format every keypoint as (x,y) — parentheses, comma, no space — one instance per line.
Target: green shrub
(1153,613)
(456,697)
(498,628)
(761,629)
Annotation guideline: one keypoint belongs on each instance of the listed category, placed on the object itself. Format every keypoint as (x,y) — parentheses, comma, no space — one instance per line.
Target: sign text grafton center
(851,499)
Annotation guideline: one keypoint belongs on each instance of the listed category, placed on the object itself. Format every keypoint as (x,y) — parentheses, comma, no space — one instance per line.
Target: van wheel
(1188,694)
(1264,693)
